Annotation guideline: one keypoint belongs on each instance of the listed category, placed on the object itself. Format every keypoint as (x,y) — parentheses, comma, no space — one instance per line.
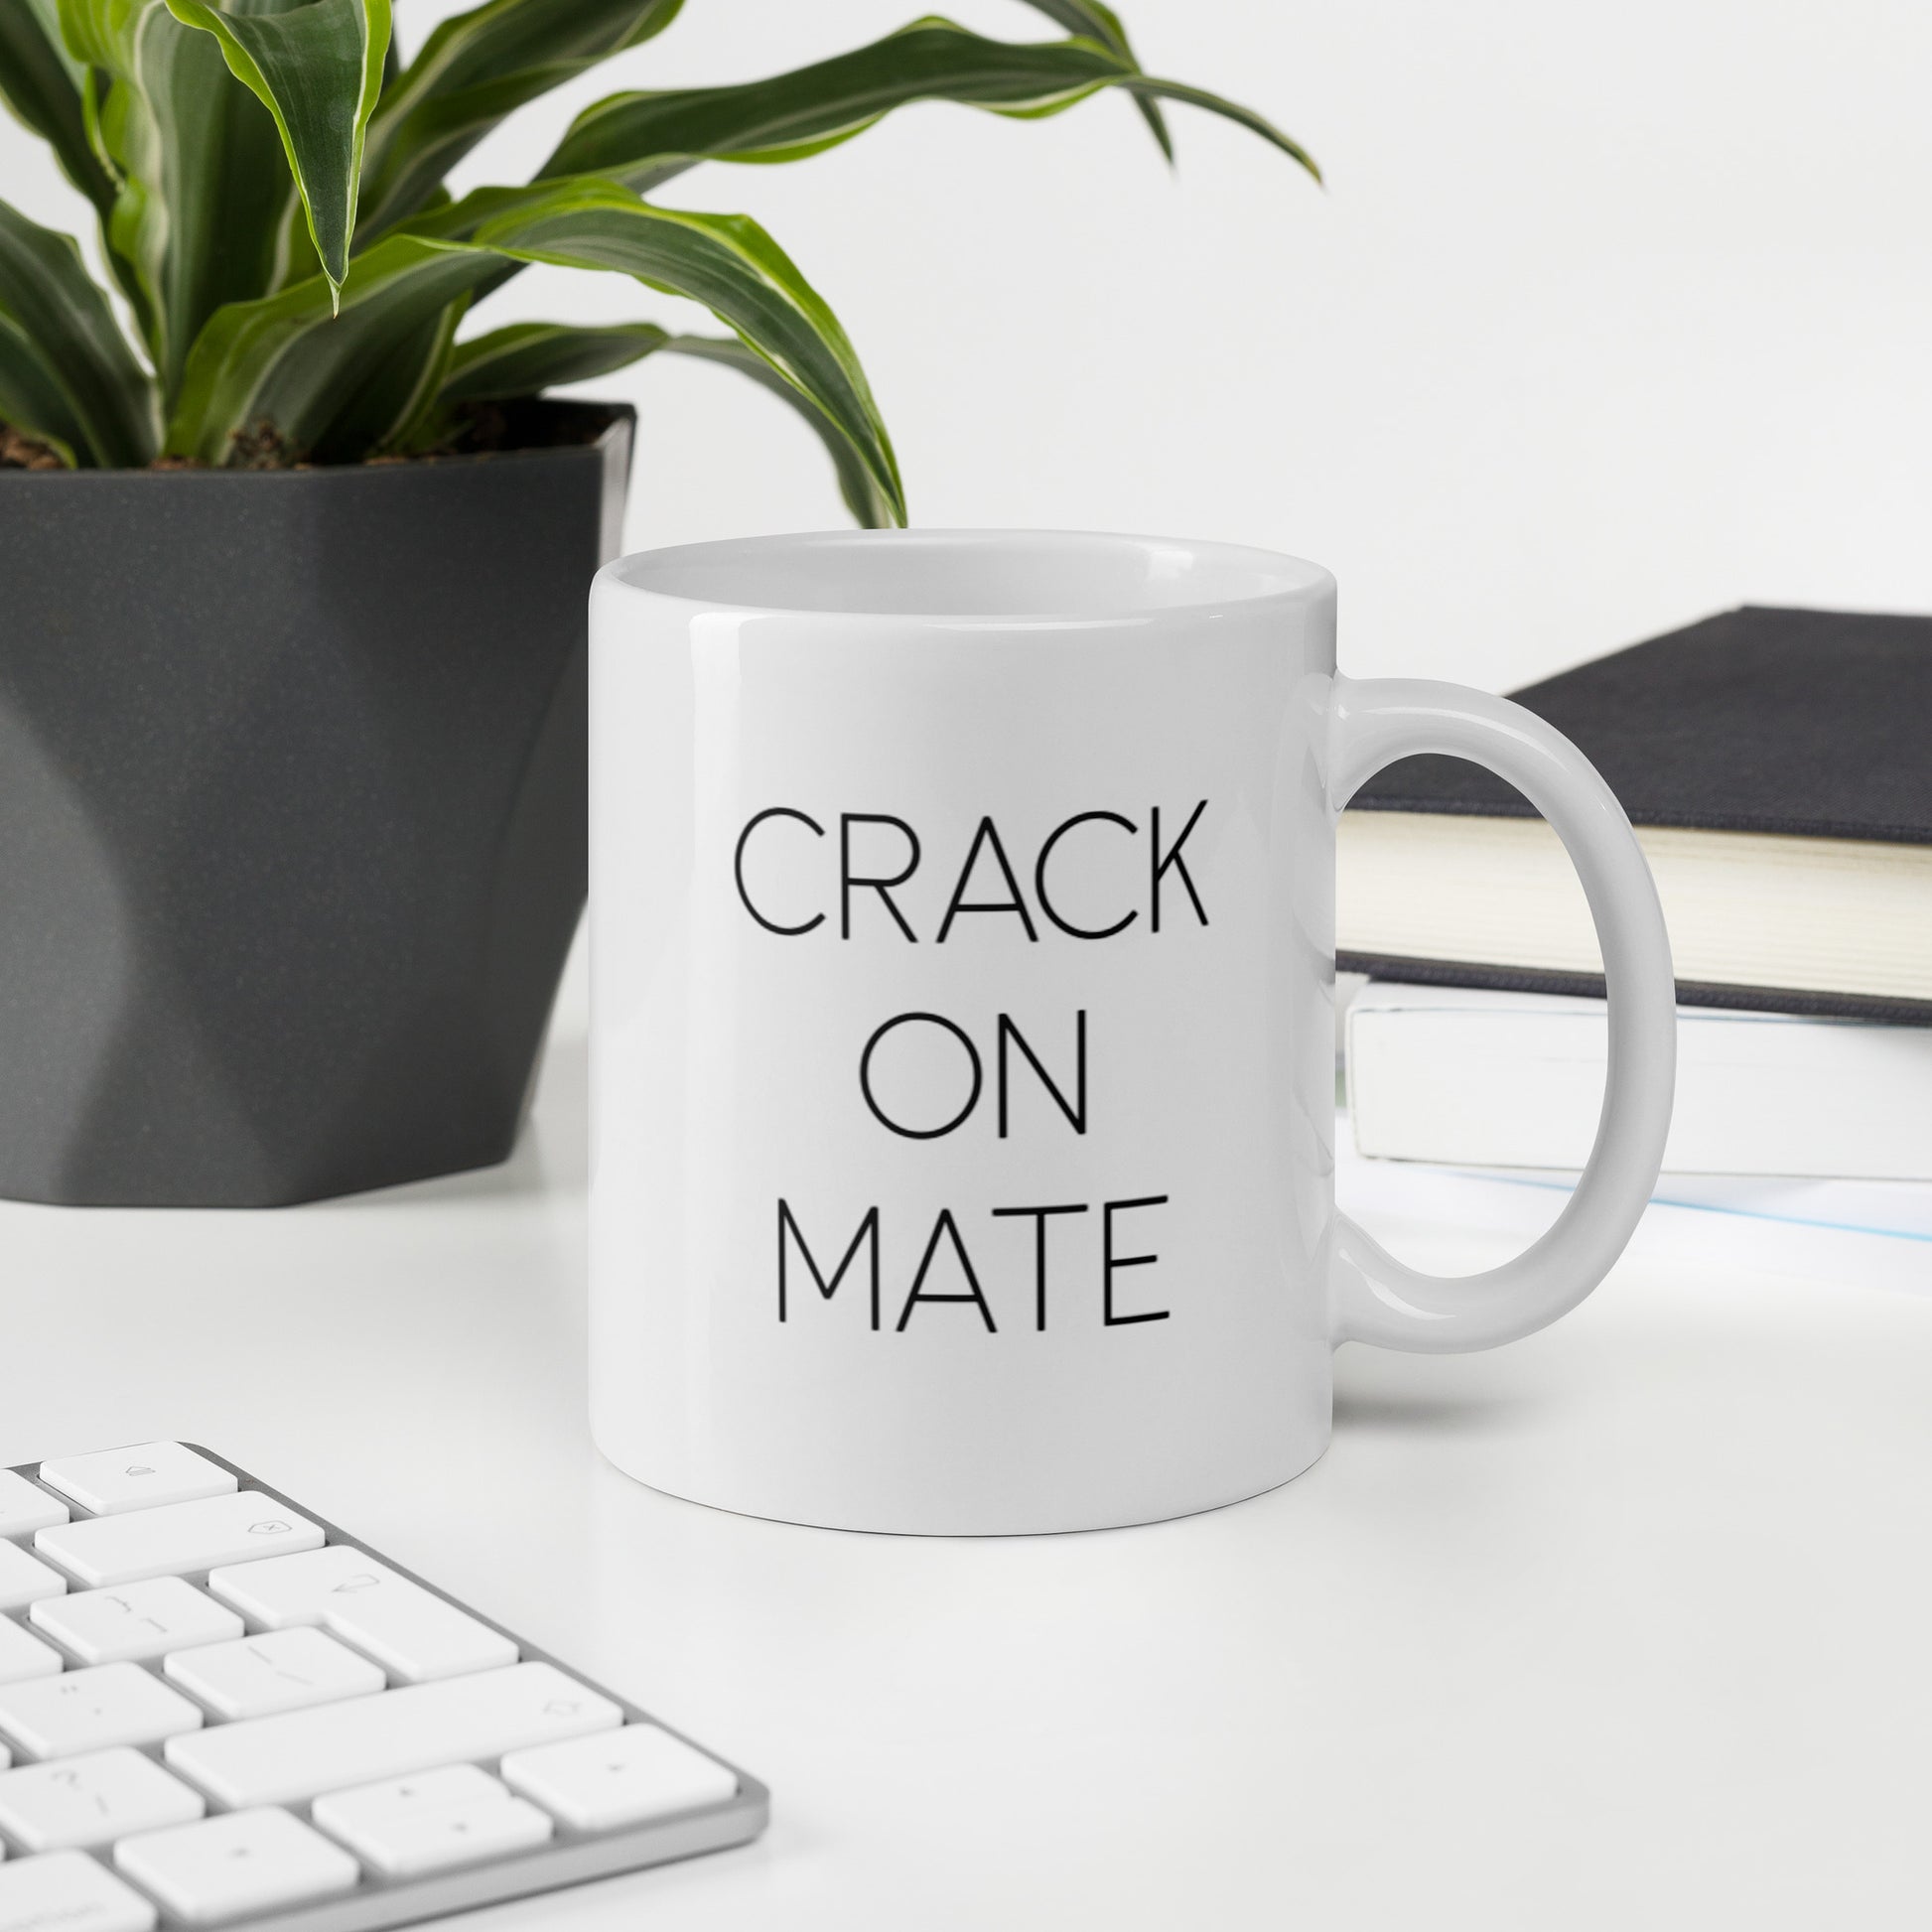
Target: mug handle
(1374,1297)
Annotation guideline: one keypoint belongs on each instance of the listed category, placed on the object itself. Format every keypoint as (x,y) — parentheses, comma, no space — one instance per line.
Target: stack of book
(1777,765)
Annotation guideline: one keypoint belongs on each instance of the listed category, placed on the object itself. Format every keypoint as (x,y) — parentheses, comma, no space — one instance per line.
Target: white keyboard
(217,1710)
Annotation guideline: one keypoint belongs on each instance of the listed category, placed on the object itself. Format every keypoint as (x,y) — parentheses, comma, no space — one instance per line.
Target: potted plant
(292,661)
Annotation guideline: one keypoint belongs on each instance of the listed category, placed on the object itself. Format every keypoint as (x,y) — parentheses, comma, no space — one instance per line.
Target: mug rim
(1150,579)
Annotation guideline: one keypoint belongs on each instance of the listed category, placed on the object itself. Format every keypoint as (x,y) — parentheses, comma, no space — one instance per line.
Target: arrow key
(404,1827)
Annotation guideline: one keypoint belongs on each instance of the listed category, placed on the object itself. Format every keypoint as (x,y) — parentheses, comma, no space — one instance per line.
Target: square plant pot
(292,813)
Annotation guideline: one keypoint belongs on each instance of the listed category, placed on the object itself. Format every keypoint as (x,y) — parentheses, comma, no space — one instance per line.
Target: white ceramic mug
(962,1038)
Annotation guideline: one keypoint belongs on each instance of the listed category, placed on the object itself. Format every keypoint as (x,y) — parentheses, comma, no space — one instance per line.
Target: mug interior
(984,575)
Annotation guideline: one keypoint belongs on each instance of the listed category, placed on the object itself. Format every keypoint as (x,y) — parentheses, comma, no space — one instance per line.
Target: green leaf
(473,71)
(1091,21)
(40,86)
(863,497)
(32,399)
(56,308)
(294,366)
(725,261)
(317,68)
(529,356)
(644,139)
(202,212)
(1147,87)
(405,394)
(283,362)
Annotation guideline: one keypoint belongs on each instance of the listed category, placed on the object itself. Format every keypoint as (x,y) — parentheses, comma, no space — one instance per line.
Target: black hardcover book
(1778,767)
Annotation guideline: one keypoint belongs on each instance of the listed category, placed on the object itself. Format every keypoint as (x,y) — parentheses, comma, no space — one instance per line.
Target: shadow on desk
(1493,1392)
(1386,1413)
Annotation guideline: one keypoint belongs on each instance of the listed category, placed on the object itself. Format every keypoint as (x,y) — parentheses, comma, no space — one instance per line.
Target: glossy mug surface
(962,1042)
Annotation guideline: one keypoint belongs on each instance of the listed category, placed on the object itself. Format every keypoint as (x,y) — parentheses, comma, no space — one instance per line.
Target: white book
(1850,917)
(1481,1078)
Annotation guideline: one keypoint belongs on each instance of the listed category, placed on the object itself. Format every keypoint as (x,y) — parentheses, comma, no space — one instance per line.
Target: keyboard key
(213,1713)
(442,1841)
(303,1753)
(407,1827)
(66,1892)
(92,1710)
(24,1580)
(454,1787)
(283,1670)
(22,1655)
(411,1631)
(138,1621)
(78,1802)
(225,1867)
(623,1778)
(177,1539)
(25,1508)
(112,1481)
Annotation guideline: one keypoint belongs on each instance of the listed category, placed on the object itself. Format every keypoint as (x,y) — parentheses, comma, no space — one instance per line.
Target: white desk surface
(1630,1624)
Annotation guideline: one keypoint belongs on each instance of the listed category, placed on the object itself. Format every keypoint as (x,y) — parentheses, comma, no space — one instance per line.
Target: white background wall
(1606,319)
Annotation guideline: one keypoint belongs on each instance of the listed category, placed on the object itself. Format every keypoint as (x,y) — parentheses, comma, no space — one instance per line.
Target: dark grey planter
(292,814)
